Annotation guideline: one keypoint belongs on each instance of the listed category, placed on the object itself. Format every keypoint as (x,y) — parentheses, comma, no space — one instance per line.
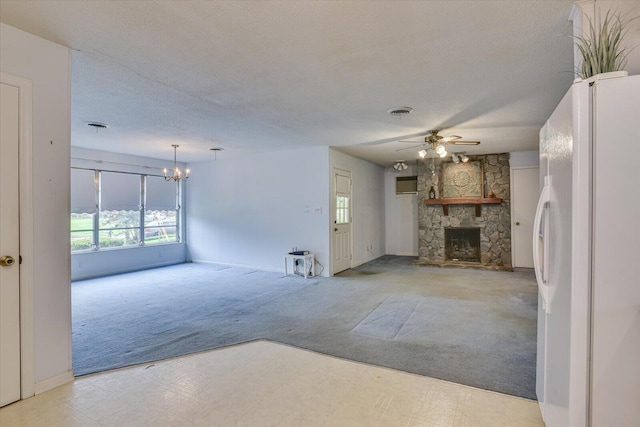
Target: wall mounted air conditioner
(407,184)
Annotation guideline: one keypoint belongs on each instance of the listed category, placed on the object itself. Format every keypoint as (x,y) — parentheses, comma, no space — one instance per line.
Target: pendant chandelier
(177,173)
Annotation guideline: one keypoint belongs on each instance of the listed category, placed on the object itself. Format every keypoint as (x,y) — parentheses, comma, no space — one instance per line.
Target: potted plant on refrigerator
(602,48)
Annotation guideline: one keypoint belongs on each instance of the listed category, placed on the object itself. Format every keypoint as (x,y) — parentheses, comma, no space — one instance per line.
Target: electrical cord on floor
(297,272)
(321,268)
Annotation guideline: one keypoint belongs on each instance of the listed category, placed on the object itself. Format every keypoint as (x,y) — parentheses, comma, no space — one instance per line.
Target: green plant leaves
(601,48)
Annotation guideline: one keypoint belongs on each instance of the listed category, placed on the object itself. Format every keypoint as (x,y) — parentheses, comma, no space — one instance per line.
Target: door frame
(511,213)
(332,216)
(25,190)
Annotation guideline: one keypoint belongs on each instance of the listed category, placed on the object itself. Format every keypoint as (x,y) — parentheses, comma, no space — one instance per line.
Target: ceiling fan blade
(409,148)
(450,138)
(464,143)
(412,142)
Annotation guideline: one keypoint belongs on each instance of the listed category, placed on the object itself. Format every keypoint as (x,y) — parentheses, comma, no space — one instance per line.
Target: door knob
(7,261)
(517,222)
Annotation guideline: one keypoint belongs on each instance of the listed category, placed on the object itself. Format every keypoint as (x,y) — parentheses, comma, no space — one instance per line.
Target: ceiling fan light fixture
(450,138)
(422,153)
(440,149)
(400,165)
(444,153)
(467,142)
(464,158)
(455,158)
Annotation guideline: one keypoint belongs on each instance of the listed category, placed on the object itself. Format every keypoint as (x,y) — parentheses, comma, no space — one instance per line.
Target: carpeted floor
(467,326)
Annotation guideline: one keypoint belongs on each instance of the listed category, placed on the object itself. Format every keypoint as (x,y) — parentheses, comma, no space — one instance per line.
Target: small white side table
(309,260)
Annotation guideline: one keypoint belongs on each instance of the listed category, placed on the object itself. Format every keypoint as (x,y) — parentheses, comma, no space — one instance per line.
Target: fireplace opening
(462,244)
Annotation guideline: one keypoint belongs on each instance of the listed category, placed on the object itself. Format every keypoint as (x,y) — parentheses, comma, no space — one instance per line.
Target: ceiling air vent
(400,111)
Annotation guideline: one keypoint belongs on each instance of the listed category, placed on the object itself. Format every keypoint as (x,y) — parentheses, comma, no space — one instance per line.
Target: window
(343,196)
(114,209)
(342,209)
(160,215)
(84,206)
(120,206)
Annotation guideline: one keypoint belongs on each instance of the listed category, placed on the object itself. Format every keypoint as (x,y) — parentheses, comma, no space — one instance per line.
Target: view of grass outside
(122,228)
(159,227)
(81,231)
(120,222)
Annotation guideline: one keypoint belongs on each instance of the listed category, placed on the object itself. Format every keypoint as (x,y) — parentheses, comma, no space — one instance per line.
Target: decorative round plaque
(461,178)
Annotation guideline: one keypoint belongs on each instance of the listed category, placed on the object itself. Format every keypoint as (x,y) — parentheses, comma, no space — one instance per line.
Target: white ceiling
(250,76)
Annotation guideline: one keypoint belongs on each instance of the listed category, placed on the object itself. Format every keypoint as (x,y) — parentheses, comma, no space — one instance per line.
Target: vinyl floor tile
(267,384)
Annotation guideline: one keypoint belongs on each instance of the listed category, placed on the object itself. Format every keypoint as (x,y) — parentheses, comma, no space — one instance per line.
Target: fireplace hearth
(490,248)
(462,244)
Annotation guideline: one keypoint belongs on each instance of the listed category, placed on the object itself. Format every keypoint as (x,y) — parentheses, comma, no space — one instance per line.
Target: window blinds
(119,191)
(161,195)
(83,191)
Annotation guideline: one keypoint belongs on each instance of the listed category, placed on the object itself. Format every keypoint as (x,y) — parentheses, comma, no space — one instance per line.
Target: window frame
(140,227)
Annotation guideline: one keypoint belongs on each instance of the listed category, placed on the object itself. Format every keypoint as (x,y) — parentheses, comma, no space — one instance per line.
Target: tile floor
(266,384)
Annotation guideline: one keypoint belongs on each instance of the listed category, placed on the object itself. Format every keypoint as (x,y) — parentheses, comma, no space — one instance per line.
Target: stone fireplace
(491,223)
(462,244)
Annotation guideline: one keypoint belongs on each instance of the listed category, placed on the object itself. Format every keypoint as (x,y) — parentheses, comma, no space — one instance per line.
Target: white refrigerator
(587,257)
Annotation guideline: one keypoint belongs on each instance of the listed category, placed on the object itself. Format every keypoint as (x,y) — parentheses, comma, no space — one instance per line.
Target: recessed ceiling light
(400,111)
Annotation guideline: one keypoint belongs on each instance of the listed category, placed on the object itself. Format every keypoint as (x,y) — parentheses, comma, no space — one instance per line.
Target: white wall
(250,210)
(110,261)
(368,204)
(105,160)
(47,65)
(599,8)
(524,158)
(401,216)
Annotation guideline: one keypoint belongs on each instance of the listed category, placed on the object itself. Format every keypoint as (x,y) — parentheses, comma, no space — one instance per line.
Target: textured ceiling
(250,76)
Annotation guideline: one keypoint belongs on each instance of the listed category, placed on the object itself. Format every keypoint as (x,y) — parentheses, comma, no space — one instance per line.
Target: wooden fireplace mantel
(477,201)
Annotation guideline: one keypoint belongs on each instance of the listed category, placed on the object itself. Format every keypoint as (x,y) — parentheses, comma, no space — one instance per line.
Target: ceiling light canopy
(97,125)
(216,150)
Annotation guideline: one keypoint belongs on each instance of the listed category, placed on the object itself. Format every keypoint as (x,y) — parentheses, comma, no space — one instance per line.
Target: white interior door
(524,197)
(9,247)
(341,235)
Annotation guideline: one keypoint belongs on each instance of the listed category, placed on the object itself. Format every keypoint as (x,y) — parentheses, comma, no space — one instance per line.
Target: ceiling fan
(434,141)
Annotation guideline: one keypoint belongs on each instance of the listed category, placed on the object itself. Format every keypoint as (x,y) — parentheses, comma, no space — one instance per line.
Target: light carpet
(467,326)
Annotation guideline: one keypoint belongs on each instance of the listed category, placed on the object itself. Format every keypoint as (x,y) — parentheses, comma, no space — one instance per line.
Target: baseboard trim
(126,270)
(252,267)
(53,382)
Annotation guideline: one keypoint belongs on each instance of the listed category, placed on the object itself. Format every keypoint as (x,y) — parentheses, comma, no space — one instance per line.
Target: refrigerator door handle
(540,253)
